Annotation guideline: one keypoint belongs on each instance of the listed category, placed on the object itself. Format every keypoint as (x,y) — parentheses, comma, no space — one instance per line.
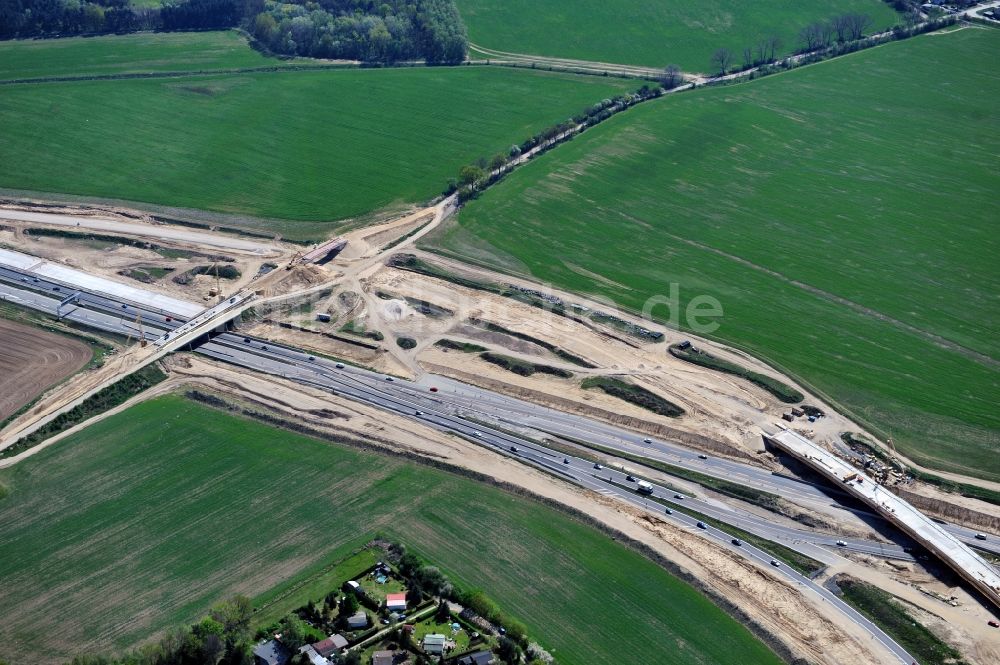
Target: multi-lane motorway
(465,410)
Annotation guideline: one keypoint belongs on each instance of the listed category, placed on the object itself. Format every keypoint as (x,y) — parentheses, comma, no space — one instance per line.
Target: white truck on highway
(642,487)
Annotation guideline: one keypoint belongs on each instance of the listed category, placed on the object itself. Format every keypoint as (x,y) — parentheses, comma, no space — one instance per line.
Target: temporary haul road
(456,407)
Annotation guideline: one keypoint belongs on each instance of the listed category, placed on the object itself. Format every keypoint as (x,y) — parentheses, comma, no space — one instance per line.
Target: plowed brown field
(32,360)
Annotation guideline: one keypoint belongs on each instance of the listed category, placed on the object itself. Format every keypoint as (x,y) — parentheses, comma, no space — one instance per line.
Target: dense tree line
(221,638)
(366,30)
(373,31)
(764,50)
(473,178)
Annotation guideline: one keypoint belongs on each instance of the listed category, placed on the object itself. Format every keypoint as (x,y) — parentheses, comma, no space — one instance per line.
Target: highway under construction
(462,409)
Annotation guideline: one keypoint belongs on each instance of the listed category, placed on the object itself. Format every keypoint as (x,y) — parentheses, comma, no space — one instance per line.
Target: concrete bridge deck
(969,565)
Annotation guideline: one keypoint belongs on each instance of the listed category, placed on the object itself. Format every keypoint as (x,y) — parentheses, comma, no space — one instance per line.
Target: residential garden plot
(129,54)
(844,215)
(309,146)
(146,519)
(653,33)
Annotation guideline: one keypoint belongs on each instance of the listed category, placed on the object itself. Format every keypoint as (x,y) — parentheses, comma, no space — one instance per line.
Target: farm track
(31,360)
(184,73)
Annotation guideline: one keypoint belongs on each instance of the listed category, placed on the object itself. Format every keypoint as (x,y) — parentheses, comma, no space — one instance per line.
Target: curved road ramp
(972,567)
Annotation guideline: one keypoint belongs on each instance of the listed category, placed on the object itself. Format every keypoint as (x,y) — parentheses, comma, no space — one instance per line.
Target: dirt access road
(31,360)
(143,230)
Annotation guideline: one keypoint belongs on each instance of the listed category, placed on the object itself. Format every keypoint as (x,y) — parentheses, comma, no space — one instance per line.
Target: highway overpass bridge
(969,565)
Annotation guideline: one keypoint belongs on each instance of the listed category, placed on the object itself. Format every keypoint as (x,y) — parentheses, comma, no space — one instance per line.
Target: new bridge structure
(959,557)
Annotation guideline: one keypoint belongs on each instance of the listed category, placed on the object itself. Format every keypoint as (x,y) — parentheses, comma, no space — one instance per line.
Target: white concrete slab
(73,277)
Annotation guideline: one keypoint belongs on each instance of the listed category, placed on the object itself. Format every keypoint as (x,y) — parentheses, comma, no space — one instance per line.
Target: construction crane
(142,334)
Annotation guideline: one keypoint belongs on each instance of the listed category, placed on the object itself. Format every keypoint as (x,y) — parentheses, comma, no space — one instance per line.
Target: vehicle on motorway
(737,542)
(339,365)
(565,460)
(630,478)
(647,440)
(669,511)
(980,536)
(124,306)
(246,340)
(56,288)
(513,449)
(993,623)
(598,466)
(702,456)
(312,358)
(478,434)
(263,347)
(389,378)
(433,389)
(679,497)
(701,525)
(841,543)
(644,488)
(419,413)
(775,563)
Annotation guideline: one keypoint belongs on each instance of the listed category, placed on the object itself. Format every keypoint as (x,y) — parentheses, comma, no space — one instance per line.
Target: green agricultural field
(147,518)
(128,54)
(302,145)
(653,33)
(844,214)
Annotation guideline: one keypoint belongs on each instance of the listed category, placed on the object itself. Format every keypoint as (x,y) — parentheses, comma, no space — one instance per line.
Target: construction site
(367,298)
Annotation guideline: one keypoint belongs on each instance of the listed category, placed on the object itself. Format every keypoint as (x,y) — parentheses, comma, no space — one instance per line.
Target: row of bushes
(897,33)
(523,367)
(103,400)
(464,347)
(473,178)
(783,392)
(565,355)
(634,394)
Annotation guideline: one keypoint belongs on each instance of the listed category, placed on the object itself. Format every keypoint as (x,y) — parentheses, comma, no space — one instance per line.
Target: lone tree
(721,59)
(470,175)
(671,77)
